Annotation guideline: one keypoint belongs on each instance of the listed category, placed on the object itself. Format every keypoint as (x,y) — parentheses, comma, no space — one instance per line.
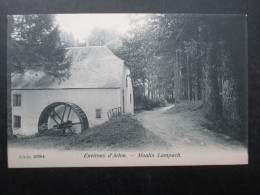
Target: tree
(191,58)
(101,37)
(135,52)
(34,43)
(68,39)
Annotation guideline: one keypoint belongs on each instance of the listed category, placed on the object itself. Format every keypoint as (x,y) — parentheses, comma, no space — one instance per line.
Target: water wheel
(64,116)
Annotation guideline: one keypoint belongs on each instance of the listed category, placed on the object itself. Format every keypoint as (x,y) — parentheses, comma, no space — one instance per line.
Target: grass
(122,132)
(185,106)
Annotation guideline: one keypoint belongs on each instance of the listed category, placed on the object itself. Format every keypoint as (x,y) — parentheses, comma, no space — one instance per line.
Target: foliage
(68,39)
(182,57)
(34,43)
(159,102)
(103,37)
(142,103)
(146,103)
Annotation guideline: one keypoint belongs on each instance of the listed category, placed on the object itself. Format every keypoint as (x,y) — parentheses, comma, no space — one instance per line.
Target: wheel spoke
(52,118)
(63,113)
(63,116)
(58,116)
(68,114)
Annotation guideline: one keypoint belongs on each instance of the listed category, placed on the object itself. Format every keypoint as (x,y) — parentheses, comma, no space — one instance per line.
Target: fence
(114,112)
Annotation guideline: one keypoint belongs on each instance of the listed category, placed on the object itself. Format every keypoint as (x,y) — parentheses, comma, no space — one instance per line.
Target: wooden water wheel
(64,116)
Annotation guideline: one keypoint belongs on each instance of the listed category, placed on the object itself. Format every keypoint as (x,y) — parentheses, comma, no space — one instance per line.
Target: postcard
(113,90)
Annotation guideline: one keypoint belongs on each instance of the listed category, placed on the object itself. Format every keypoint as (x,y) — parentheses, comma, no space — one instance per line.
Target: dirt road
(185,130)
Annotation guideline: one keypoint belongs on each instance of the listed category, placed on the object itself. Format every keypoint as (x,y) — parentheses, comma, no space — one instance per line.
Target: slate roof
(92,67)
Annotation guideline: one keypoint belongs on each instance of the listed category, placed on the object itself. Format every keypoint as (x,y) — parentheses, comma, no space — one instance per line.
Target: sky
(81,24)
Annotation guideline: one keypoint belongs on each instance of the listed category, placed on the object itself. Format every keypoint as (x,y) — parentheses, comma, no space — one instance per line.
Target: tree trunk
(176,78)
(199,71)
(189,78)
(144,87)
(215,97)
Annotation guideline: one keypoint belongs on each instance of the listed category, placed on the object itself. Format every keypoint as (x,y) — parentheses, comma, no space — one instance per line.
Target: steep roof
(92,67)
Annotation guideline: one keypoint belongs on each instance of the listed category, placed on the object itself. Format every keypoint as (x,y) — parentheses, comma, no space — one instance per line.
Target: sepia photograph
(108,90)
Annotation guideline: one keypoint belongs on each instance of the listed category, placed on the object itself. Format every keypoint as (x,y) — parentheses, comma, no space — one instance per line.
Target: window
(130,98)
(98,113)
(126,81)
(16,100)
(17,121)
(123,91)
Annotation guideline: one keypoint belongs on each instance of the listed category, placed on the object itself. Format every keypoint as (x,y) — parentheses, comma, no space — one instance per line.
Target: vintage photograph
(91,90)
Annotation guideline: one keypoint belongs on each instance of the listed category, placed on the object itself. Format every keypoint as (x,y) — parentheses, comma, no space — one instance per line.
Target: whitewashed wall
(33,103)
(129,107)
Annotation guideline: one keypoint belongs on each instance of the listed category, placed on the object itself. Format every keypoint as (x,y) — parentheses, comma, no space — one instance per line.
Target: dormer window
(16,100)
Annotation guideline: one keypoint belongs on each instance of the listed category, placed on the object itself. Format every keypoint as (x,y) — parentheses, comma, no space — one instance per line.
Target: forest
(191,57)
(172,57)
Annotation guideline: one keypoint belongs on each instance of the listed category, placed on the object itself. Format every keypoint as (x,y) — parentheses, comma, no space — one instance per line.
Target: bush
(148,104)
(159,102)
